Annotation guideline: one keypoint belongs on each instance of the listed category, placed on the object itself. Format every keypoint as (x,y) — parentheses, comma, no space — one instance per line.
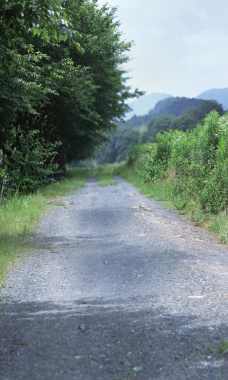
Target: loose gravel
(118,287)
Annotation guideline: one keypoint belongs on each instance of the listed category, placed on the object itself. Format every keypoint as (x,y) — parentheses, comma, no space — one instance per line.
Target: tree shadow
(105,339)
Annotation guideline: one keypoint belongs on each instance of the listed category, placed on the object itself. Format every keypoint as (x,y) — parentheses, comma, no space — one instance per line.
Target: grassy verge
(104,175)
(19,214)
(164,190)
(75,179)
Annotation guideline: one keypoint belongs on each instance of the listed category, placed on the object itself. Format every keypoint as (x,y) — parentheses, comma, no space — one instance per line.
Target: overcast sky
(181,46)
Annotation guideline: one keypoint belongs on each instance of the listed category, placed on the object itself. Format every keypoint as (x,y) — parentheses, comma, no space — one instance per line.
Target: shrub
(199,159)
(29,165)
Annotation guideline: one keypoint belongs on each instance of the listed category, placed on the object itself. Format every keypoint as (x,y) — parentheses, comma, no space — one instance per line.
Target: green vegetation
(222,349)
(175,105)
(118,145)
(62,87)
(26,165)
(168,114)
(104,175)
(187,170)
(75,179)
(61,84)
(18,214)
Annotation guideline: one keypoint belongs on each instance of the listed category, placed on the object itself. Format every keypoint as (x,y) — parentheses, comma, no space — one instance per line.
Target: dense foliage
(198,160)
(143,129)
(118,145)
(187,120)
(61,80)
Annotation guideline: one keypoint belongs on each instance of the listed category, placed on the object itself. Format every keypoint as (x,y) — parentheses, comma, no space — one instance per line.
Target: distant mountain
(218,94)
(144,104)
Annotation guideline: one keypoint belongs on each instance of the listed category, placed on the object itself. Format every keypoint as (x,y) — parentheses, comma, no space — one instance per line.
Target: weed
(222,349)
(185,304)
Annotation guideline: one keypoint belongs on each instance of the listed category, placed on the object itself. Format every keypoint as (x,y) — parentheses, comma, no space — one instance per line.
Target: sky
(180,46)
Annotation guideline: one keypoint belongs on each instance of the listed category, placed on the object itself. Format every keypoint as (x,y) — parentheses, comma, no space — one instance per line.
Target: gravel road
(118,287)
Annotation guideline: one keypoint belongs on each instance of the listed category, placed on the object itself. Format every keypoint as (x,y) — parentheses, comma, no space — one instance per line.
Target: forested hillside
(174,106)
(61,85)
(169,114)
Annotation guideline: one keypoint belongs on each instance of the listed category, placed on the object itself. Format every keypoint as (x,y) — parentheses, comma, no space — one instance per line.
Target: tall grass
(18,214)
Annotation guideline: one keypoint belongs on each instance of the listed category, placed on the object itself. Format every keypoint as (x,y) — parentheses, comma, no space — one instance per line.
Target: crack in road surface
(119,287)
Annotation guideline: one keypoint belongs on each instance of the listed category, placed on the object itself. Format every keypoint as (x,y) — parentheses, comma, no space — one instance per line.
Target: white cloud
(181,46)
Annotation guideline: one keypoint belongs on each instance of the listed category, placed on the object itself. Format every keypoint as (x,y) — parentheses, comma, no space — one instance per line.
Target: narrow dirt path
(118,288)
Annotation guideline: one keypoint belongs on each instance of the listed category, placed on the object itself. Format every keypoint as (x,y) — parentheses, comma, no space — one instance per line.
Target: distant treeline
(178,113)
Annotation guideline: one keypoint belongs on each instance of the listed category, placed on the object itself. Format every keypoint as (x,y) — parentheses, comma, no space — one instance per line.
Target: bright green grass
(18,214)
(75,179)
(165,190)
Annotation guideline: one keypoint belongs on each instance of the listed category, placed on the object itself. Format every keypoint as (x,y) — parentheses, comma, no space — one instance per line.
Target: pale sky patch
(181,46)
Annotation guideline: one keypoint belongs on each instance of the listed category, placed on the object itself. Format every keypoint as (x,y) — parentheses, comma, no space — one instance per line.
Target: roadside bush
(198,159)
(29,165)
(135,153)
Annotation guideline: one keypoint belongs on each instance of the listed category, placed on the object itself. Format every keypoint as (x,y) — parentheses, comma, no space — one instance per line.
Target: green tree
(30,165)
(157,124)
(60,75)
(24,87)
(118,145)
(175,105)
(192,116)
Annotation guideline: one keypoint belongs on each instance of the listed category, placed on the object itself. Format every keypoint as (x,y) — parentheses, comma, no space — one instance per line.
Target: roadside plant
(30,165)
(222,349)
(198,159)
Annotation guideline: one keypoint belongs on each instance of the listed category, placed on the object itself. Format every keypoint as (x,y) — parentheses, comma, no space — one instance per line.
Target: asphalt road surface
(117,287)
